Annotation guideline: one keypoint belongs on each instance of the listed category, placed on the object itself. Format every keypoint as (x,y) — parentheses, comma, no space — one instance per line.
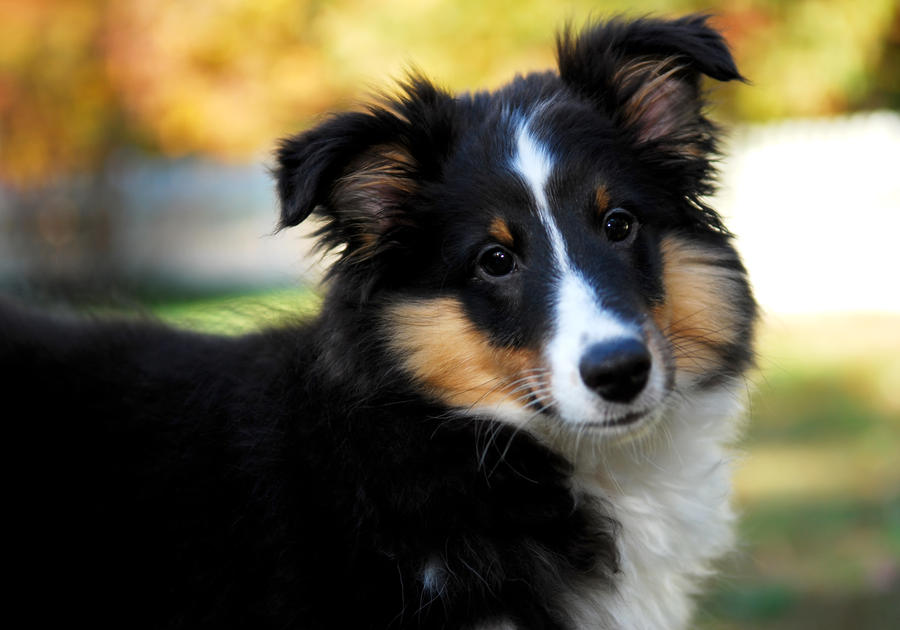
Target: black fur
(299,477)
(169,479)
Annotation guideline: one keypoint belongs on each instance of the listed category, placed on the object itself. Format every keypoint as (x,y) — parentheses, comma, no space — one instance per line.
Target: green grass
(236,314)
(819,487)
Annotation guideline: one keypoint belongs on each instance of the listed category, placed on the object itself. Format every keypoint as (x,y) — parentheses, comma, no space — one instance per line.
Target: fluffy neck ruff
(671,492)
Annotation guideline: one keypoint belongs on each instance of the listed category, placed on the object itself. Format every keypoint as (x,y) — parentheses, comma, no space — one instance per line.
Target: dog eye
(497,261)
(618,225)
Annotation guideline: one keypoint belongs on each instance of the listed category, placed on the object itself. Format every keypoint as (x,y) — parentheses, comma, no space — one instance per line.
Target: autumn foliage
(80,79)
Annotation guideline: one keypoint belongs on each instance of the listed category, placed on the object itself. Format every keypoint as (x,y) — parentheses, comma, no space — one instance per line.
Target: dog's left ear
(359,170)
(645,75)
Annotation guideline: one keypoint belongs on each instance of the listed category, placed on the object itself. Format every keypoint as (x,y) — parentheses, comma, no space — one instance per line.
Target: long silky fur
(337,472)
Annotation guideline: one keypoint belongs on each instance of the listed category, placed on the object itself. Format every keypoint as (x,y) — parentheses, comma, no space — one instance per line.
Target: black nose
(617,370)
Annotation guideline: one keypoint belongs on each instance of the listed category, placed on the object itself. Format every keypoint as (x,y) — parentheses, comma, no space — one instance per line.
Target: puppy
(511,412)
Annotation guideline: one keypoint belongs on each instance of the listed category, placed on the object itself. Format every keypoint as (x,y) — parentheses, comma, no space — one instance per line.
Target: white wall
(816,208)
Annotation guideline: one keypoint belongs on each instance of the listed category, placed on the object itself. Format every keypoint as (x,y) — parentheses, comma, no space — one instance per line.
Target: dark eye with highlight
(496,261)
(619,225)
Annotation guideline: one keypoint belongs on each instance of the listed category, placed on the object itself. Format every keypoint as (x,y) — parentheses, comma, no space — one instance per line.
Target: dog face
(541,254)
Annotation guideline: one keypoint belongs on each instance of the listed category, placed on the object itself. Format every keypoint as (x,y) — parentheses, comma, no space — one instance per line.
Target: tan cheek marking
(500,231)
(444,351)
(699,312)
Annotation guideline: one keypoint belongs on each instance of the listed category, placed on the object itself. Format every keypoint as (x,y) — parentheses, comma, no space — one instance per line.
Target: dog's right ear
(646,75)
(359,170)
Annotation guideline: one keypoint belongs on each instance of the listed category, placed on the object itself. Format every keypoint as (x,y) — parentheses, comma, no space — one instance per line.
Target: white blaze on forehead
(580,320)
(534,164)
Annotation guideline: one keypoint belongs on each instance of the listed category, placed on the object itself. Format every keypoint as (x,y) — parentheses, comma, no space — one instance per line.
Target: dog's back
(135,454)
(165,478)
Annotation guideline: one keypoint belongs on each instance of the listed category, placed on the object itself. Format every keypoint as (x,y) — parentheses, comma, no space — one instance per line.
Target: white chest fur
(671,496)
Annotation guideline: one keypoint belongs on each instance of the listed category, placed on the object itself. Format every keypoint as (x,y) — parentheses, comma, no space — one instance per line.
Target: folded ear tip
(294,197)
(726,70)
(291,216)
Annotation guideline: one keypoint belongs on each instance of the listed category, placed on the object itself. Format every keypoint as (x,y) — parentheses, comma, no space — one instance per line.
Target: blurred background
(135,142)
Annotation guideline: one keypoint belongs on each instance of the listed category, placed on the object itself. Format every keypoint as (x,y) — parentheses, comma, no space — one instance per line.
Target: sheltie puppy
(512,411)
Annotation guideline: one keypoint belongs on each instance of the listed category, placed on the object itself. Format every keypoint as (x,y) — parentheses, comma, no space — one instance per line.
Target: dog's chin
(596,426)
(622,428)
(575,438)
(622,425)
(610,423)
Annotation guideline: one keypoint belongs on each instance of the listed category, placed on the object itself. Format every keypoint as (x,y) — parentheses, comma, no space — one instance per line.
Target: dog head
(543,253)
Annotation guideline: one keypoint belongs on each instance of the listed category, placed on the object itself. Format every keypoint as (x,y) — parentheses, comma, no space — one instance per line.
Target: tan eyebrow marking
(603,200)
(499,229)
